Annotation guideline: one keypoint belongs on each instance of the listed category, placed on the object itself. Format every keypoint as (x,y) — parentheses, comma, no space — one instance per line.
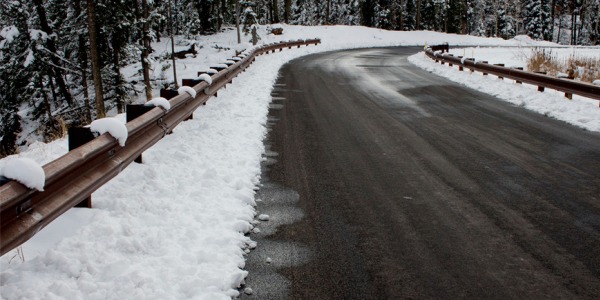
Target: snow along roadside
(582,112)
(173,226)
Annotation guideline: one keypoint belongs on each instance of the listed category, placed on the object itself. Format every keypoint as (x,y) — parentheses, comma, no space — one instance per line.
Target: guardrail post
(473,60)
(521,69)
(133,111)
(449,63)
(168,94)
(540,88)
(78,136)
(500,65)
(484,62)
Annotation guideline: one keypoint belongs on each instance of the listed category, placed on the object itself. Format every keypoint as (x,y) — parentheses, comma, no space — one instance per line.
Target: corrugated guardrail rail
(76,175)
(568,86)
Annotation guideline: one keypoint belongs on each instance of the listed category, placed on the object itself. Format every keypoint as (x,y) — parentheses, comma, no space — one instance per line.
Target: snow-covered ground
(174,227)
(518,56)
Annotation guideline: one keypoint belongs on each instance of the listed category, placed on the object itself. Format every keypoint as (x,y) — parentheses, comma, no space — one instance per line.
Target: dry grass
(581,68)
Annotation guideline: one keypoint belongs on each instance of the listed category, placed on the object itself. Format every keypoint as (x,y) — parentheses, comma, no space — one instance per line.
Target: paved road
(388,182)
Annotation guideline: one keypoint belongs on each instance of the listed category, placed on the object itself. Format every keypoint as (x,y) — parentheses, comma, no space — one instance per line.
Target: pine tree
(536,19)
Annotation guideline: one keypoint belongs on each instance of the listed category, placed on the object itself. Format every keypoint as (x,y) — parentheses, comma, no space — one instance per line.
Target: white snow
(211,71)
(186,89)
(596,82)
(174,227)
(264,217)
(8,34)
(205,77)
(26,171)
(220,66)
(29,59)
(161,102)
(113,126)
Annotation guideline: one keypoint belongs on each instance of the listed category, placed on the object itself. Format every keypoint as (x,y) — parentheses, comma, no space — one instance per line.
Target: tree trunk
(172,46)
(146,49)
(83,65)
(286,11)
(51,121)
(275,11)
(57,72)
(552,13)
(119,99)
(418,19)
(327,12)
(237,21)
(401,16)
(96,74)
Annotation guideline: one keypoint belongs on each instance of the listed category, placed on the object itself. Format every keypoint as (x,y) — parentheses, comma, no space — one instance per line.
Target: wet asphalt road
(384,181)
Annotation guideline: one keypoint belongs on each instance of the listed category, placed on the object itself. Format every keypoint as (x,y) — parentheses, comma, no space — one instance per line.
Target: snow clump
(26,171)
(264,217)
(187,89)
(596,82)
(205,77)
(160,101)
(113,126)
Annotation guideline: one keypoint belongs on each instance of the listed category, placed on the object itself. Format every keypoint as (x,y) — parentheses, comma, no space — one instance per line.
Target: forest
(61,61)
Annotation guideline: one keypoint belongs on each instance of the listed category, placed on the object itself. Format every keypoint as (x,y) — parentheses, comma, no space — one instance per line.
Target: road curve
(384,181)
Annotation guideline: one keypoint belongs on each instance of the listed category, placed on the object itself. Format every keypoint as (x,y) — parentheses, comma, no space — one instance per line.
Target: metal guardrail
(569,87)
(76,175)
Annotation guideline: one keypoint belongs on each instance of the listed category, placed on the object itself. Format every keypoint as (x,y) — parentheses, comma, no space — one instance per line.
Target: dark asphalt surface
(387,182)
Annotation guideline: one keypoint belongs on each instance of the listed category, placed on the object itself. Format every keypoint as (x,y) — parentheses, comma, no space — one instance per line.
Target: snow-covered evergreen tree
(536,19)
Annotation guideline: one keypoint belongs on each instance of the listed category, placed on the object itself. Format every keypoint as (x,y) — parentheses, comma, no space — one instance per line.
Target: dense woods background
(63,59)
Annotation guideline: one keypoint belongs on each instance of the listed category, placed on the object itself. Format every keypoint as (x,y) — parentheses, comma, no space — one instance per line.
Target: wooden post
(500,65)
(78,136)
(519,68)
(540,88)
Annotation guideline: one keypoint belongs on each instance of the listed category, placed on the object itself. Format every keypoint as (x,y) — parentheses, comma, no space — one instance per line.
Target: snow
(220,66)
(205,77)
(113,126)
(174,227)
(162,102)
(26,171)
(596,82)
(29,59)
(8,34)
(187,89)
(264,217)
